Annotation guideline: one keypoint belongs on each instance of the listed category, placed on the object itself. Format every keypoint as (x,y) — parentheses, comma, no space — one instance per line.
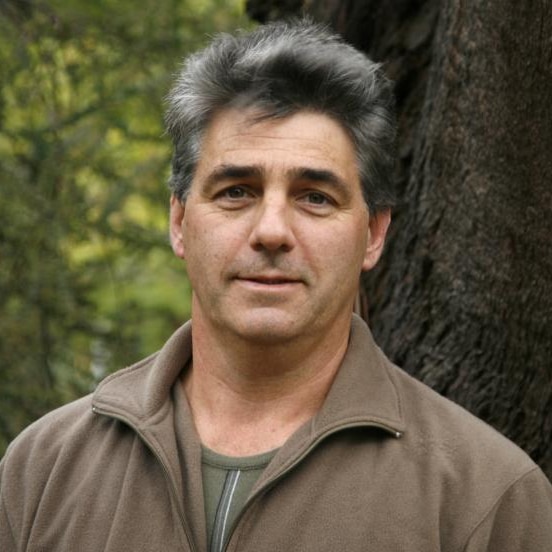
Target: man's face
(275,231)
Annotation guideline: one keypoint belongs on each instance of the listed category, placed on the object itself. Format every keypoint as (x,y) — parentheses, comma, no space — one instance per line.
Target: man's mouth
(269,280)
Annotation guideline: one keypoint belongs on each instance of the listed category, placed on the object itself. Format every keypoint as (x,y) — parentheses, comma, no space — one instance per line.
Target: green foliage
(88,282)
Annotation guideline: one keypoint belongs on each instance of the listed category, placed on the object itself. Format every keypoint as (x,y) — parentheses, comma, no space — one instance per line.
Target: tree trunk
(462,298)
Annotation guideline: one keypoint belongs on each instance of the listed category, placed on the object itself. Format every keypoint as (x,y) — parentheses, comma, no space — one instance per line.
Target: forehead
(304,139)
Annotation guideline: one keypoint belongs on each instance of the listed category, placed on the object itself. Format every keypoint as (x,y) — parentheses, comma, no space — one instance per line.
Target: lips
(269,280)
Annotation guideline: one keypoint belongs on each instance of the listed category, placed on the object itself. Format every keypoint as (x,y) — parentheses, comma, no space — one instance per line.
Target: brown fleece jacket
(387,465)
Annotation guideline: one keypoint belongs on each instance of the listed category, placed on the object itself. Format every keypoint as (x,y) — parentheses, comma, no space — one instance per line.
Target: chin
(267,330)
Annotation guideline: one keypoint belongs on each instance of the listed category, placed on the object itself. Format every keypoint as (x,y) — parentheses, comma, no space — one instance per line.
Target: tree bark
(462,298)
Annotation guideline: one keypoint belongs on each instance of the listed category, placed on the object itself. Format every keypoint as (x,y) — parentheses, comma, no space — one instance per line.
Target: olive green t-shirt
(227,482)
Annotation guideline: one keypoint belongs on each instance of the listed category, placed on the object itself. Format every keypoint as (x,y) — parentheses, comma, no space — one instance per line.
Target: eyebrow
(228,171)
(321,176)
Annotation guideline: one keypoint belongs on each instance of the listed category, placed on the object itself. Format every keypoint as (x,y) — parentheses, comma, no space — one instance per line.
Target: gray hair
(280,69)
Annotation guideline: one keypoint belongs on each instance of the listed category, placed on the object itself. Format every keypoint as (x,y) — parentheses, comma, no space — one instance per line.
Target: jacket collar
(141,393)
(148,397)
(363,392)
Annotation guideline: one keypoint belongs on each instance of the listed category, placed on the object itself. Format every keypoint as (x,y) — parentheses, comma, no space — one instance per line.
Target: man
(272,421)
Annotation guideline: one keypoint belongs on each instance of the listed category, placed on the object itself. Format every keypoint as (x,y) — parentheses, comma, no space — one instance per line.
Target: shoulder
(66,439)
(56,448)
(46,447)
(437,426)
(474,468)
(71,427)
(436,432)
(489,492)
(49,432)
(52,458)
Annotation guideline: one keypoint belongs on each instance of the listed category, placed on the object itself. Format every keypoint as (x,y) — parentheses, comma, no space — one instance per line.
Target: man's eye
(235,192)
(316,198)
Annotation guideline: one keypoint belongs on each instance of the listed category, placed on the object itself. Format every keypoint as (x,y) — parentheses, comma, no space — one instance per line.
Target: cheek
(341,251)
(208,247)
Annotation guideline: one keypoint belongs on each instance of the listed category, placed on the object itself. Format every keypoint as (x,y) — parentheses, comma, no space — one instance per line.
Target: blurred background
(88,282)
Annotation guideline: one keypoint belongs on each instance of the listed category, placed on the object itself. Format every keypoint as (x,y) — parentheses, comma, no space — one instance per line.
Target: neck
(248,398)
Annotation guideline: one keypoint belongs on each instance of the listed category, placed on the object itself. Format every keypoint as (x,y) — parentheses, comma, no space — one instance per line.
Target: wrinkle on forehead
(238,132)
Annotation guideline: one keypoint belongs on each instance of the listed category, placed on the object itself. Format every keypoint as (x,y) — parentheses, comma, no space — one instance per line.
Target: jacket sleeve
(520,521)
(7,540)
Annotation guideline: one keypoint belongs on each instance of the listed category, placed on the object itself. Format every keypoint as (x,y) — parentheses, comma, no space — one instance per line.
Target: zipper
(168,479)
(300,457)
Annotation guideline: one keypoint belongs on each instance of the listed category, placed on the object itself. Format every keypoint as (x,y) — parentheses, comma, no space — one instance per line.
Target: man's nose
(272,228)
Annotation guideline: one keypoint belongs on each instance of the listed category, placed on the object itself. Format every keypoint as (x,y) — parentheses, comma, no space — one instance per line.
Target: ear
(377,230)
(176,217)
